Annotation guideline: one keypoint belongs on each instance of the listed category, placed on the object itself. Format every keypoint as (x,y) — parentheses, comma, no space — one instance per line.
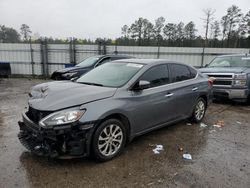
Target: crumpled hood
(57,95)
(225,70)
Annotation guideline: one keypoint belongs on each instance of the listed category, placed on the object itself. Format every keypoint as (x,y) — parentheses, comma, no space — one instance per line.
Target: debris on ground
(219,124)
(189,124)
(151,183)
(212,131)
(158,149)
(203,125)
(238,122)
(180,148)
(187,156)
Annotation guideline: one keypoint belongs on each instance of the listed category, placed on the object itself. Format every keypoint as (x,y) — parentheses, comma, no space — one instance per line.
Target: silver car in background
(110,105)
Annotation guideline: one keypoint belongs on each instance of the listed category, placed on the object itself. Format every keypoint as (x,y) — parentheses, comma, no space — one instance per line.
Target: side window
(117,58)
(105,60)
(180,72)
(156,76)
(193,72)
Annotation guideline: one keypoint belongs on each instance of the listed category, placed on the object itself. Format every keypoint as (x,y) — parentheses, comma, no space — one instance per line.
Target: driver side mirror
(206,65)
(141,85)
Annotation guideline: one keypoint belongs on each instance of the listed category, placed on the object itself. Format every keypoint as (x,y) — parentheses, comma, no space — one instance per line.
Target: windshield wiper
(91,83)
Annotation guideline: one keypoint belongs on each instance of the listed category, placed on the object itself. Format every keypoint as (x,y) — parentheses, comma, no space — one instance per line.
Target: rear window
(181,73)
(193,72)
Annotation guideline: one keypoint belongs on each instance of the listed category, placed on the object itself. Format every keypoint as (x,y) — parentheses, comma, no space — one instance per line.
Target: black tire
(197,118)
(99,144)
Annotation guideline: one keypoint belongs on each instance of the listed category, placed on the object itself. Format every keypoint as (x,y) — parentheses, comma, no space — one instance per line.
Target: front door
(155,104)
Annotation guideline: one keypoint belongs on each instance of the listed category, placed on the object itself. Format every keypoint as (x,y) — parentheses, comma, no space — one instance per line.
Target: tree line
(232,30)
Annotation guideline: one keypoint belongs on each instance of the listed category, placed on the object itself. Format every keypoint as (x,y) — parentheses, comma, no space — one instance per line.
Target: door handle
(195,88)
(169,95)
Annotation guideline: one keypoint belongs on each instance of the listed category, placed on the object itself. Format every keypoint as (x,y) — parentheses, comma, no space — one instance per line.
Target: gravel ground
(220,156)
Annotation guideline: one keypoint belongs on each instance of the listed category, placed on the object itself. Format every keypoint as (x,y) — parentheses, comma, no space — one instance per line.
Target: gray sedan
(110,105)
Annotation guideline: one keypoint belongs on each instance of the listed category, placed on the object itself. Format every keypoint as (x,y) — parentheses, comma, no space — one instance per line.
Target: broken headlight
(61,117)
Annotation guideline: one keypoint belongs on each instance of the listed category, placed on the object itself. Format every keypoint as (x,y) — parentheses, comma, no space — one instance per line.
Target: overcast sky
(104,18)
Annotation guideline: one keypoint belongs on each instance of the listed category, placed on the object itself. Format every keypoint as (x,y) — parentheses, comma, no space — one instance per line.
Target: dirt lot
(221,156)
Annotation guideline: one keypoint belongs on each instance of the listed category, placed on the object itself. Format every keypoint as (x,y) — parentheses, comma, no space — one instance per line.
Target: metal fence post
(31,58)
(158,52)
(72,51)
(104,47)
(116,51)
(99,48)
(44,55)
(202,56)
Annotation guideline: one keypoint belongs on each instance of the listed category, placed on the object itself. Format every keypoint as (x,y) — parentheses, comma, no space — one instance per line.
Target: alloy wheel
(110,140)
(200,110)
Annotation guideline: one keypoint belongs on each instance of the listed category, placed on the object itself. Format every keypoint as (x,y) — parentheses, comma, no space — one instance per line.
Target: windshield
(111,74)
(239,61)
(88,62)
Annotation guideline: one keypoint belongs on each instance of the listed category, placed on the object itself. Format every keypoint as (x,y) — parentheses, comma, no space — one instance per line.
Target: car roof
(234,55)
(114,55)
(147,61)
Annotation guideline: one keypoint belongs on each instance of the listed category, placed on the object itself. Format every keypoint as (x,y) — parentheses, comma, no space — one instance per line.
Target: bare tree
(207,20)
(170,31)
(234,17)
(159,24)
(8,34)
(224,23)
(25,31)
(179,33)
(148,31)
(244,27)
(190,31)
(215,30)
(247,21)
(136,30)
(125,31)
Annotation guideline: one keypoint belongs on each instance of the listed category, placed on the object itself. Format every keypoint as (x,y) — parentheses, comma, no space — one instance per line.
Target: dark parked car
(5,69)
(232,76)
(85,66)
(100,112)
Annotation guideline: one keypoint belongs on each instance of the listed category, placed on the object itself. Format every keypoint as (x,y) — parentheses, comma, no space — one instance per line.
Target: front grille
(220,76)
(36,115)
(221,82)
(222,79)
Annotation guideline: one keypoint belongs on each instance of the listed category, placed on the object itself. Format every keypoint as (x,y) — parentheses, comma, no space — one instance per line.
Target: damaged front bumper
(64,141)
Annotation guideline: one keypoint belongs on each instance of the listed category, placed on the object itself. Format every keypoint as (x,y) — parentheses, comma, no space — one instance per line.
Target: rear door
(185,88)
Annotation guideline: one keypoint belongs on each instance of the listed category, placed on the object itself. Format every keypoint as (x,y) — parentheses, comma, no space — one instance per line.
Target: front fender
(98,110)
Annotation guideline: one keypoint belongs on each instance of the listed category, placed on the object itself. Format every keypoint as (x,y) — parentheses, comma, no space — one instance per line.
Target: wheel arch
(121,117)
(203,96)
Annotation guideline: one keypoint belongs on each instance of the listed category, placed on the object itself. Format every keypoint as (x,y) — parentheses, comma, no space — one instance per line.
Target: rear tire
(199,111)
(108,140)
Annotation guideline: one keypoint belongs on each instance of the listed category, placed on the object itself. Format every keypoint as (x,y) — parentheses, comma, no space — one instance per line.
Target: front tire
(108,140)
(199,111)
